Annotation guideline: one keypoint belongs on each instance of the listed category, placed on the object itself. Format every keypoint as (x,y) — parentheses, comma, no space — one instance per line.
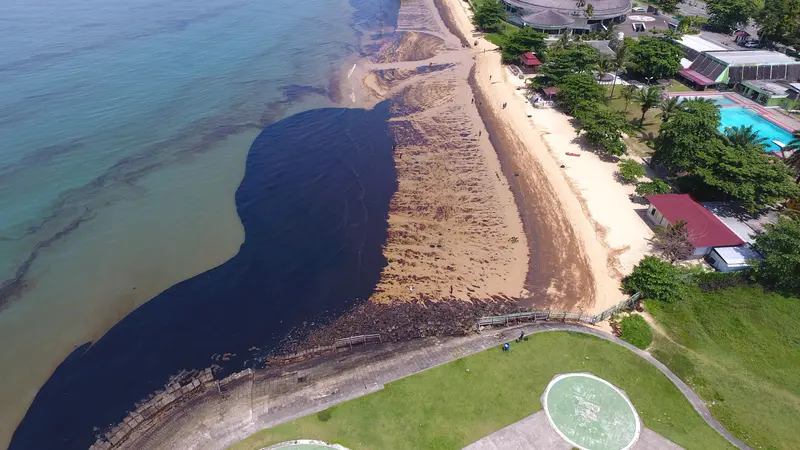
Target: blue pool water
(720,100)
(732,117)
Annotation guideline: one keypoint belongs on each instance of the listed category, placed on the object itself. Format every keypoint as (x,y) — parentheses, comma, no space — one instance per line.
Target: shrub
(324,415)
(630,170)
(635,330)
(656,279)
(652,188)
(712,281)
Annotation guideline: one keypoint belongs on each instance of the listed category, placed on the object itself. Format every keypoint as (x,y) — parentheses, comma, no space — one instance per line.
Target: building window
(653,212)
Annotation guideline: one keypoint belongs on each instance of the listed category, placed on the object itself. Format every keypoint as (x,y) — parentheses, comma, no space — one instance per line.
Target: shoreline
(583,230)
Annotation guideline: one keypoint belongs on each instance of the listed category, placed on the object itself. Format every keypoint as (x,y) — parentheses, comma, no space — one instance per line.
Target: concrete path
(535,433)
(263,399)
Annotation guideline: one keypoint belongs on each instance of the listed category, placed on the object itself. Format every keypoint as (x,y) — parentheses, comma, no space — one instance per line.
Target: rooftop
(530,59)
(772,87)
(737,256)
(733,218)
(705,229)
(699,44)
(601,7)
(739,57)
(548,17)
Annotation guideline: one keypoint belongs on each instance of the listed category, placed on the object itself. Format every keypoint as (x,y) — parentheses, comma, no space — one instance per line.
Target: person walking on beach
(473,101)
(490,78)
(504,105)
(411,290)
(480,132)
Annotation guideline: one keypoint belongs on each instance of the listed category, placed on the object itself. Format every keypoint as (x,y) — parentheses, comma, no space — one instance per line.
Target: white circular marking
(558,378)
(642,18)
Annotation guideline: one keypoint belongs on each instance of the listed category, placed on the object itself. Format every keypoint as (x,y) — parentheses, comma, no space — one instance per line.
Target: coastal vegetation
(715,166)
(451,406)
(489,15)
(635,330)
(654,57)
(630,171)
(734,337)
(737,347)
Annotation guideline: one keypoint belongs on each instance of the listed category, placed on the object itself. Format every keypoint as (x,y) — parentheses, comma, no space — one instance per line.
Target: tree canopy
(690,126)
(780,268)
(652,187)
(655,57)
(574,58)
(779,21)
(668,6)
(602,126)
(727,15)
(656,279)
(630,170)
(719,167)
(521,41)
(578,90)
(489,15)
(745,173)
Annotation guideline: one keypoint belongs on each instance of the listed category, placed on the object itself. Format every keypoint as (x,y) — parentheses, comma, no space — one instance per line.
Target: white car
(751,44)
(639,9)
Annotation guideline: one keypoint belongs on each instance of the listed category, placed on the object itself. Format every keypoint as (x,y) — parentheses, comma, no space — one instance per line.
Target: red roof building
(530,63)
(706,231)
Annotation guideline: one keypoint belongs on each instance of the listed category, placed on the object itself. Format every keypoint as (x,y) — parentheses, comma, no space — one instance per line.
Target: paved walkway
(535,433)
(265,399)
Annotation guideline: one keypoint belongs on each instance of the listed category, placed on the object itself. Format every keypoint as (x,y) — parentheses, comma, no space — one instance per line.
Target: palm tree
(794,160)
(669,106)
(620,61)
(562,42)
(604,65)
(647,98)
(628,93)
(744,136)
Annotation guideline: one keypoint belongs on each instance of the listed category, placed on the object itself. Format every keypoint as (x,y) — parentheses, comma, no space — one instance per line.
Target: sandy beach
(589,231)
(454,229)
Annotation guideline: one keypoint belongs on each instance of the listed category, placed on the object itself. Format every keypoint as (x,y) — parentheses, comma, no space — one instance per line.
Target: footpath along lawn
(743,355)
(449,407)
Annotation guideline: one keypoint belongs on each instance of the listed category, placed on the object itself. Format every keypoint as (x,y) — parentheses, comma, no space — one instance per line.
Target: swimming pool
(720,100)
(735,117)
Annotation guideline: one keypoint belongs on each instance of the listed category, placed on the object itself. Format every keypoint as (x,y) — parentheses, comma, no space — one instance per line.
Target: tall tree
(744,136)
(620,60)
(654,57)
(628,93)
(630,171)
(691,127)
(656,279)
(521,41)
(668,6)
(605,64)
(602,126)
(779,21)
(579,89)
(576,58)
(669,106)
(780,268)
(648,97)
(652,187)
(745,173)
(727,15)
(489,15)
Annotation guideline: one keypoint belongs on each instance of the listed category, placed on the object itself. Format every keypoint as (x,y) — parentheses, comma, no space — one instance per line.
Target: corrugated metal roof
(737,256)
(705,229)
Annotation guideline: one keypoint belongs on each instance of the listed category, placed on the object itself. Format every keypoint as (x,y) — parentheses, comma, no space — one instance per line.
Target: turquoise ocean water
(124,131)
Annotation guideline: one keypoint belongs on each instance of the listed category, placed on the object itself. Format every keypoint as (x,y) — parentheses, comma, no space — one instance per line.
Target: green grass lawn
(449,407)
(635,330)
(498,38)
(743,355)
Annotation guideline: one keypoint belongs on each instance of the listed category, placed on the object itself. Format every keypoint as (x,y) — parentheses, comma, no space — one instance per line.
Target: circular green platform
(591,413)
(305,444)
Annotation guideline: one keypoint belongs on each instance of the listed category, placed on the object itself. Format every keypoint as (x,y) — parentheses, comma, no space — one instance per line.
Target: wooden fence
(550,316)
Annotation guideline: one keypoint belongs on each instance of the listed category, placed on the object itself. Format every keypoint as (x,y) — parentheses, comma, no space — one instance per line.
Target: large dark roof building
(557,16)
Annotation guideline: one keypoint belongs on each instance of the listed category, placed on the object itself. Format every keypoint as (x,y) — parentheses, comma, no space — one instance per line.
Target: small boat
(573,154)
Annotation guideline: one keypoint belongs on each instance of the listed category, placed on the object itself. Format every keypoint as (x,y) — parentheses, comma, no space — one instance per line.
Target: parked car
(639,9)
(751,44)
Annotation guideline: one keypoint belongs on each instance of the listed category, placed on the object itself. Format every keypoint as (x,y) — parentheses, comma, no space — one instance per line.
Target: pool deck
(787,123)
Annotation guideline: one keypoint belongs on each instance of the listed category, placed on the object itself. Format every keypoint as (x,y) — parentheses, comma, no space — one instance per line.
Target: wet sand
(454,228)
